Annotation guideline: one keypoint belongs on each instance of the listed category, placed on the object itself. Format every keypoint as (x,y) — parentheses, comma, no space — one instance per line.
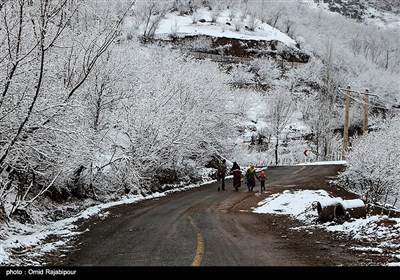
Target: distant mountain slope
(385,14)
(392,6)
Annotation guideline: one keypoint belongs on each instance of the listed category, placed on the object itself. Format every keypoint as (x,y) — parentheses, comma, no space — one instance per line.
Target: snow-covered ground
(300,205)
(224,26)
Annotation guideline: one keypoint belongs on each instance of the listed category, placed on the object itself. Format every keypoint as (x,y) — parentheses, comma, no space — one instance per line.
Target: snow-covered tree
(44,65)
(280,109)
(241,77)
(323,119)
(155,116)
(174,114)
(149,13)
(373,165)
(266,72)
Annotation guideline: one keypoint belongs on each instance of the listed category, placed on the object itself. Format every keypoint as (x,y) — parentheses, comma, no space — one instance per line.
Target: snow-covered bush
(266,72)
(241,77)
(253,23)
(150,13)
(373,169)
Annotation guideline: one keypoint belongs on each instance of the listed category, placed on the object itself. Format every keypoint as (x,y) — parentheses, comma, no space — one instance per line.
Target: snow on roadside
(379,230)
(19,239)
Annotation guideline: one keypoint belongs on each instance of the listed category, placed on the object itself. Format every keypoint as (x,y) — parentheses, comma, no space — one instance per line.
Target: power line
(361,101)
(384,99)
(382,106)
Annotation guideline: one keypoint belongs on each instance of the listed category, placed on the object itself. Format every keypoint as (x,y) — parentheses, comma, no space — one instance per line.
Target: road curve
(197,227)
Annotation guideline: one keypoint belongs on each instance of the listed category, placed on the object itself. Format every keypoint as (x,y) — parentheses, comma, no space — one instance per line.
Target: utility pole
(366,101)
(346,124)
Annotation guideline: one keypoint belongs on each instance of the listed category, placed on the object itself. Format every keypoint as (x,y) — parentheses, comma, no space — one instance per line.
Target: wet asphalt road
(197,227)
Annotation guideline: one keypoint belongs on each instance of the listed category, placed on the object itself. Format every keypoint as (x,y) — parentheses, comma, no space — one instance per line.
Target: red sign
(305,152)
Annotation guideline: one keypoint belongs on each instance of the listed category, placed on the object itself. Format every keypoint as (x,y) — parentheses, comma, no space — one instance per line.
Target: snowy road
(188,228)
(201,227)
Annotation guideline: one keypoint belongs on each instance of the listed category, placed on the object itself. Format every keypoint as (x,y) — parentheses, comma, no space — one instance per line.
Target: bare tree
(326,100)
(280,110)
(150,13)
(275,15)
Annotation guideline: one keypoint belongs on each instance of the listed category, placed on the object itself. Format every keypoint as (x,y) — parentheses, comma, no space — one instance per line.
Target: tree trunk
(3,215)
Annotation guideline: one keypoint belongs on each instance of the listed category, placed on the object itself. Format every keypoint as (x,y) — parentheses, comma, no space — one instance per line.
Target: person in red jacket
(262,178)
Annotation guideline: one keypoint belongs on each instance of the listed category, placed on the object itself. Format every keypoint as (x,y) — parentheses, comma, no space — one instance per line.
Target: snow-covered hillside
(225,24)
(256,124)
(383,14)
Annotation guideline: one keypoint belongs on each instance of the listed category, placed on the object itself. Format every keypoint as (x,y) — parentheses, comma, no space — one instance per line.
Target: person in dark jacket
(221,173)
(237,176)
(251,177)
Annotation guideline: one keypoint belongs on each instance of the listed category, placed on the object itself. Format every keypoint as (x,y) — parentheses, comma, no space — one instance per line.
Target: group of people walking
(249,177)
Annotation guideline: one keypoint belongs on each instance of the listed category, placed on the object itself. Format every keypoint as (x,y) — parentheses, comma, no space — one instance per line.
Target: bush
(373,169)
